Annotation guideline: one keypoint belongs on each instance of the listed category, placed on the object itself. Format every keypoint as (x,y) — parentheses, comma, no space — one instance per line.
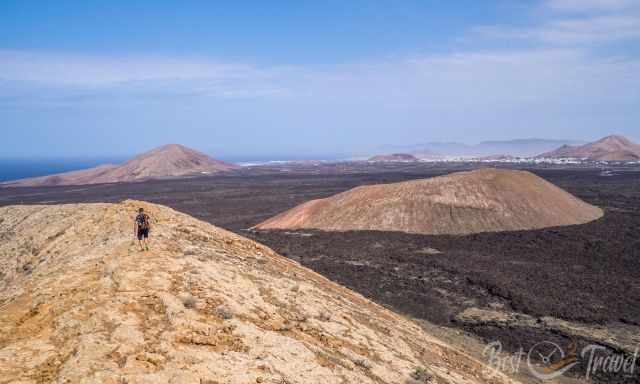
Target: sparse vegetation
(420,376)
(224,313)
(189,301)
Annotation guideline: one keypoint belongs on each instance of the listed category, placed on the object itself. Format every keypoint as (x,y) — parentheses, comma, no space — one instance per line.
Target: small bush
(189,302)
(27,268)
(224,313)
(324,316)
(420,376)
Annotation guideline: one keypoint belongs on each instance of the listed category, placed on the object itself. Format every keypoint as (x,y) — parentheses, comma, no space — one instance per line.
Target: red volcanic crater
(485,200)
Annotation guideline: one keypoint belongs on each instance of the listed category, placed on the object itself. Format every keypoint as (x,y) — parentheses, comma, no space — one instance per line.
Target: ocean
(13,169)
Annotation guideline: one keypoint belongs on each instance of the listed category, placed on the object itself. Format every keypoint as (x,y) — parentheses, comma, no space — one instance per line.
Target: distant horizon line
(120,158)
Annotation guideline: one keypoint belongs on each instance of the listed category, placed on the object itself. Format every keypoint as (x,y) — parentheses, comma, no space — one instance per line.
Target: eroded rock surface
(80,304)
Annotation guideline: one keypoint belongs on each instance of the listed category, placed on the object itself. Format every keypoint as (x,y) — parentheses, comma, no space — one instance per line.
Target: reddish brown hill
(610,148)
(394,157)
(465,202)
(171,160)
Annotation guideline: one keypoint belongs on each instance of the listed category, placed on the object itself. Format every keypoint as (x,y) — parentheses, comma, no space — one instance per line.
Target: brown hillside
(81,304)
(610,148)
(171,160)
(486,200)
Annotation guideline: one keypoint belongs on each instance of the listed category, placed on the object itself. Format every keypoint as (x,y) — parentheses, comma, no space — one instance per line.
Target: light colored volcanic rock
(394,157)
(80,304)
(171,160)
(485,200)
(610,148)
(497,158)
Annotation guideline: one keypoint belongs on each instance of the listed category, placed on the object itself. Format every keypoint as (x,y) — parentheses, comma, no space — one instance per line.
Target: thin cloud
(574,31)
(475,78)
(70,69)
(574,23)
(581,6)
(43,75)
(457,96)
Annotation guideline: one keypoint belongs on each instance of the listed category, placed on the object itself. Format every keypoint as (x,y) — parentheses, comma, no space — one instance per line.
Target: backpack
(143,221)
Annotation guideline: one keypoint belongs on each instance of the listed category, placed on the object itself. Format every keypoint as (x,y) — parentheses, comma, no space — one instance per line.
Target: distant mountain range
(517,147)
(610,148)
(171,160)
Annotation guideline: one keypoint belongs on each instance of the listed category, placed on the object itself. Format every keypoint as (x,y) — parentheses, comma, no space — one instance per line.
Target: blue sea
(13,169)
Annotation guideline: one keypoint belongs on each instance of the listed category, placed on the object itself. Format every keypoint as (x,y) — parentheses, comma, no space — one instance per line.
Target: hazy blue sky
(312,78)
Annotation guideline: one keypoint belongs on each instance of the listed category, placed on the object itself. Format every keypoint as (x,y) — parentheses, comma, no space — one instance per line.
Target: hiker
(141,227)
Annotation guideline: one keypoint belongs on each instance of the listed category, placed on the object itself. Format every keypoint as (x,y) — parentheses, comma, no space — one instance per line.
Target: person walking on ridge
(141,227)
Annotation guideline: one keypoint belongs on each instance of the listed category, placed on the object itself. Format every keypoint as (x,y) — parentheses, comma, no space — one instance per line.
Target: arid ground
(558,284)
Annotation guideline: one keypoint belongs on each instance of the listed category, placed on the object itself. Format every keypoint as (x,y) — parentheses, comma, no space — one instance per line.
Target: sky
(312,79)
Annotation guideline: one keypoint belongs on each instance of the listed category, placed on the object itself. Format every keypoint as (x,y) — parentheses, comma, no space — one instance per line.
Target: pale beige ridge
(80,304)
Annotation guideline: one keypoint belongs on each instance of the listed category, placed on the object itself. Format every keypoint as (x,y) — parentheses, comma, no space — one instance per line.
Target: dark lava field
(585,278)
